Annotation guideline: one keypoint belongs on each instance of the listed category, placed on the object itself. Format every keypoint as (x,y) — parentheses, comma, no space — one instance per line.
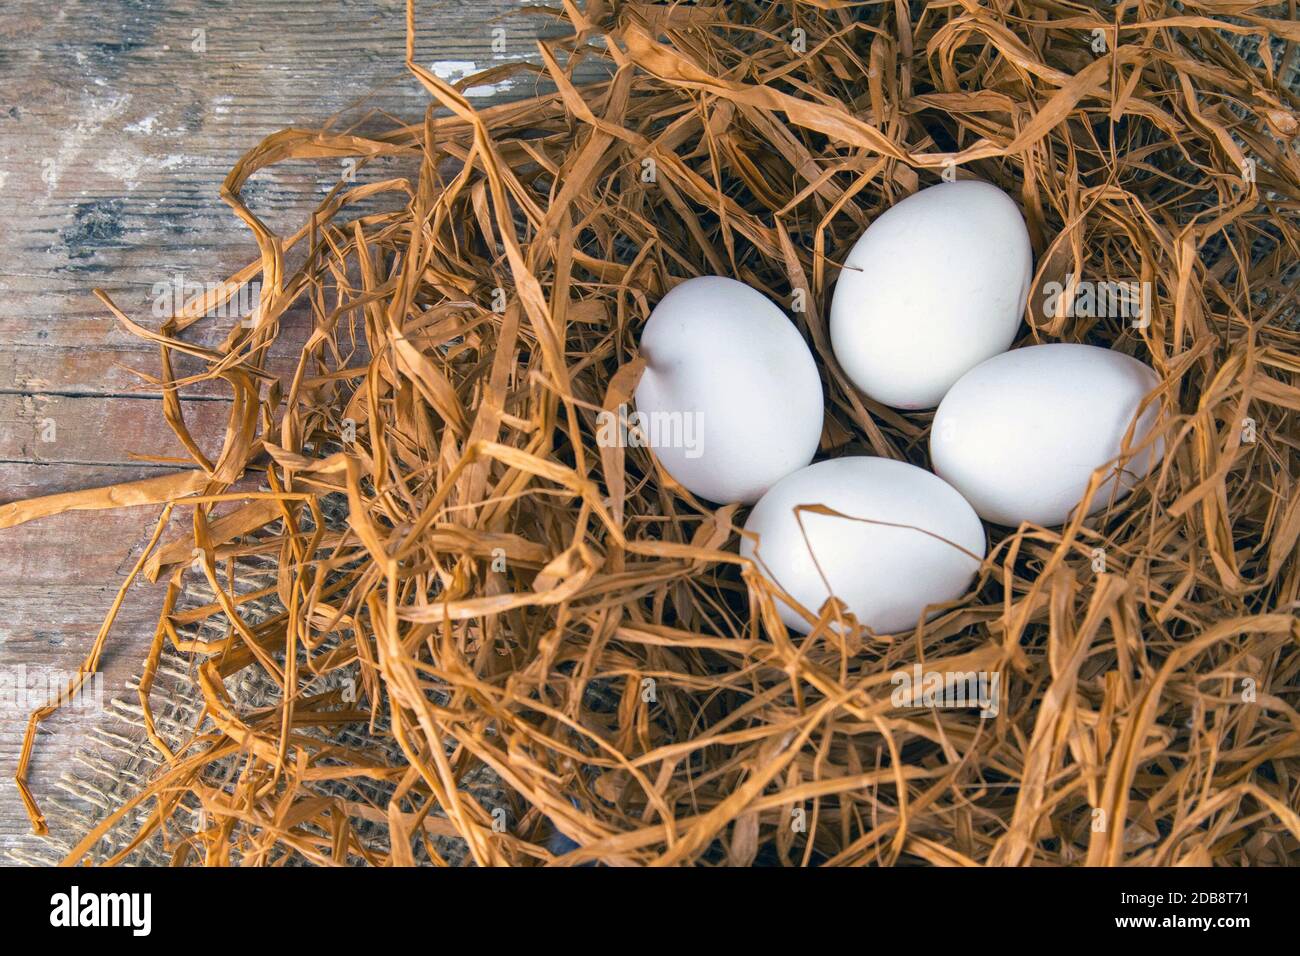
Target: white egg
(730,399)
(915,548)
(936,285)
(1021,434)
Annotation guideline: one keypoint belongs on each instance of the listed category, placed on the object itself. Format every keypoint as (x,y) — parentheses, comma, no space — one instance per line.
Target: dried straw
(554,647)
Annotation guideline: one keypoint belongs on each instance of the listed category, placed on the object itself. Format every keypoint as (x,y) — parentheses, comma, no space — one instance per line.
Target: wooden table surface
(118,121)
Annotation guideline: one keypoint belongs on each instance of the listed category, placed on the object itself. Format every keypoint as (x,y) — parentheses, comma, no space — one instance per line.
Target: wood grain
(118,121)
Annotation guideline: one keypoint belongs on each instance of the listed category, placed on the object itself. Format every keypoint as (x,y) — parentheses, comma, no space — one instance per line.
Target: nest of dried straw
(517,601)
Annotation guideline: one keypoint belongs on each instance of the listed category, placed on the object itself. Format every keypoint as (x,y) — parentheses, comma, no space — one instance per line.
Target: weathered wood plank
(72,429)
(119,368)
(20,480)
